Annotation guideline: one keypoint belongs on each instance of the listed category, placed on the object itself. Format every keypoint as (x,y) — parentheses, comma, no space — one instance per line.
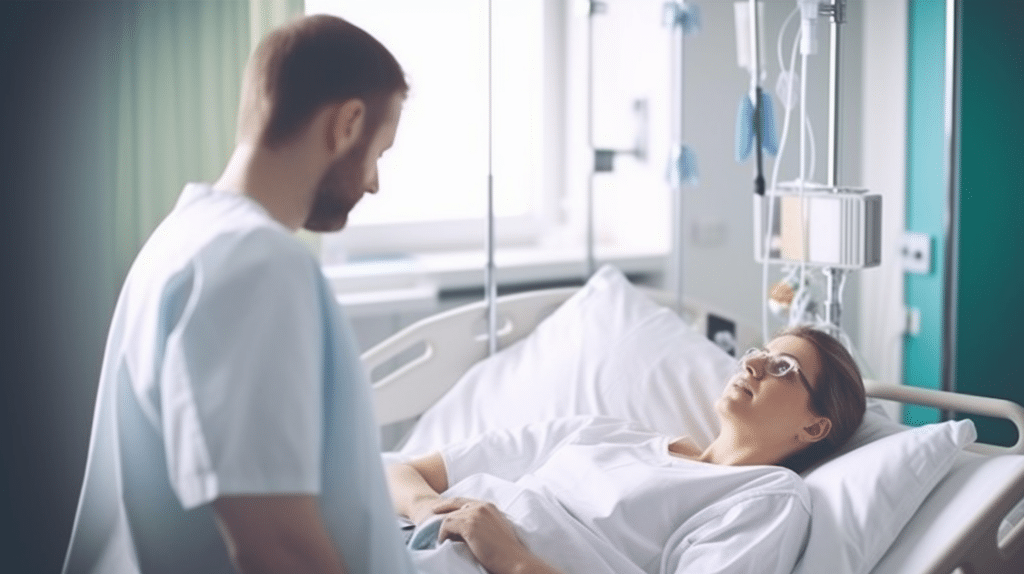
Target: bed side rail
(413,368)
(962,403)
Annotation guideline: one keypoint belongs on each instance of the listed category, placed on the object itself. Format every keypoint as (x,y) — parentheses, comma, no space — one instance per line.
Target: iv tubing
(804,216)
(766,243)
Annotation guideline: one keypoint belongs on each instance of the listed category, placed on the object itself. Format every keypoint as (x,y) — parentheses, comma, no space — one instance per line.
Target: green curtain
(265,15)
(179,68)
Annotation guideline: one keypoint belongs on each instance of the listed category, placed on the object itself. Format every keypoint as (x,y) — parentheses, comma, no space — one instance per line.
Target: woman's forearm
(410,491)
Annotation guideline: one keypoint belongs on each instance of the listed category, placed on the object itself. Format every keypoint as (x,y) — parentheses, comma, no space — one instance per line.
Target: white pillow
(862,499)
(875,425)
(608,350)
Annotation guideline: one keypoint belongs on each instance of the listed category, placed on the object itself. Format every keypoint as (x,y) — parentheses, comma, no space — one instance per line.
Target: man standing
(233,428)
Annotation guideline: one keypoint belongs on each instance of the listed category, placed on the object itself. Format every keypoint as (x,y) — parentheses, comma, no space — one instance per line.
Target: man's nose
(374,184)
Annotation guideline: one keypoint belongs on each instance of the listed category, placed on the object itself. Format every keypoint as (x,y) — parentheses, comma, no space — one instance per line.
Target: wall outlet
(913,321)
(917,253)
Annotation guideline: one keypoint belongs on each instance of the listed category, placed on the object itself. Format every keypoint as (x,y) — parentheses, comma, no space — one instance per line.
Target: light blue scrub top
(229,370)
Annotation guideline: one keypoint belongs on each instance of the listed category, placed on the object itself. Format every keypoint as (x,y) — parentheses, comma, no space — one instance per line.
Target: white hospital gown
(229,370)
(596,495)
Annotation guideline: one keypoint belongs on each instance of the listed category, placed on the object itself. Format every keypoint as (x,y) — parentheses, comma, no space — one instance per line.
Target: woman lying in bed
(593,494)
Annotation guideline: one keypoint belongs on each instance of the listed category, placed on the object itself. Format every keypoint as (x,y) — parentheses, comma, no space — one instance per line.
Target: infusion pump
(822,226)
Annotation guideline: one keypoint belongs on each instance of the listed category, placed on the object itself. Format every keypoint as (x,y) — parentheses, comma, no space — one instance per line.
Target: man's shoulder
(256,244)
(256,258)
(221,233)
(208,247)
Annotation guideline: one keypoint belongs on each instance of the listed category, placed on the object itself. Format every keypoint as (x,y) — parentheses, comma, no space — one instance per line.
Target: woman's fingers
(446,505)
(428,508)
(459,522)
(490,536)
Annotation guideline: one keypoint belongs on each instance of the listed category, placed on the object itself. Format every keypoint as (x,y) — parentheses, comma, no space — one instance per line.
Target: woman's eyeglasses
(776,365)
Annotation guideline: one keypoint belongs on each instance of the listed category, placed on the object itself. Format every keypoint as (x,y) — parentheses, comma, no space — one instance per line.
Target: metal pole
(678,242)
(838,11)
(833,276)
(596,7)
(952,128)
(673,19)
(491,290)
(755,51)
(833,304)
(755,96)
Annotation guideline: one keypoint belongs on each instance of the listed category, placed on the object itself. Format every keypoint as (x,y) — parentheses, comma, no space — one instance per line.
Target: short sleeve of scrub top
(241,392)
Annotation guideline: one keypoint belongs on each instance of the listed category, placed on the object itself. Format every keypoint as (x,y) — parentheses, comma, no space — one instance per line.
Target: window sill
(415,282)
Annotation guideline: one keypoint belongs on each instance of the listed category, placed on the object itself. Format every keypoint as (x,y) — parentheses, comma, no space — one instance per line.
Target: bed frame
(952,533)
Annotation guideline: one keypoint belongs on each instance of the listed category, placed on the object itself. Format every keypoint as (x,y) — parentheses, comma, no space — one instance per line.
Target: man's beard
(339,190)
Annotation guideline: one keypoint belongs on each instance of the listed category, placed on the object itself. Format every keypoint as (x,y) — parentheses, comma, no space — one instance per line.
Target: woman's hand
(425,507)
(490,536)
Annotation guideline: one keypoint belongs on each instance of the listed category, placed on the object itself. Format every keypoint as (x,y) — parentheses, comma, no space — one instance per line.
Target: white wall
(884,109)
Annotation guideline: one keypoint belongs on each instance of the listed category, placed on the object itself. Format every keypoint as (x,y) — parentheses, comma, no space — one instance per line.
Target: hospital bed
(962,512)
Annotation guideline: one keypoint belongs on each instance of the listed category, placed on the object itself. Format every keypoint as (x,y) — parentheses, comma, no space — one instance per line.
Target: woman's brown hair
(838,395)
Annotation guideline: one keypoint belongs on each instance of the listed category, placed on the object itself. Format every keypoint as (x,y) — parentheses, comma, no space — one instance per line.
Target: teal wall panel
(926,194)
(990,273)
(988,227)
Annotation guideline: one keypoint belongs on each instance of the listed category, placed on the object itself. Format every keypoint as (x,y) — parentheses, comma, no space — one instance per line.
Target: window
(434,180)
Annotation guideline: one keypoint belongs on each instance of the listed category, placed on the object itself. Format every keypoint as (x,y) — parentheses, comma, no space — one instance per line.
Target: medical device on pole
(831,227)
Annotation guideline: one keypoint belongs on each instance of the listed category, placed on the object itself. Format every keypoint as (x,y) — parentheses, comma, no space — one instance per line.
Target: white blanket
(597,495)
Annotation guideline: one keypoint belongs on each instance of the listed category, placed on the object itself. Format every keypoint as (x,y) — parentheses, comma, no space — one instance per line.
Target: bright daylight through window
(433,182)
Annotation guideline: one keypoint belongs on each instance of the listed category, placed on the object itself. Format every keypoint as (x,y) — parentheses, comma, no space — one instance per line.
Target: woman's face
(769,407)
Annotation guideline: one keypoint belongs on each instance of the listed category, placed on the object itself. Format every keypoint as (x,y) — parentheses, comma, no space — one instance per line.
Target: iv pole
(490,289)
(834,277)
(682,17)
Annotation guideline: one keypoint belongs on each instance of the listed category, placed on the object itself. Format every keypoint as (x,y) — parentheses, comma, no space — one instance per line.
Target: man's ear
(817,430)
(345,124)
